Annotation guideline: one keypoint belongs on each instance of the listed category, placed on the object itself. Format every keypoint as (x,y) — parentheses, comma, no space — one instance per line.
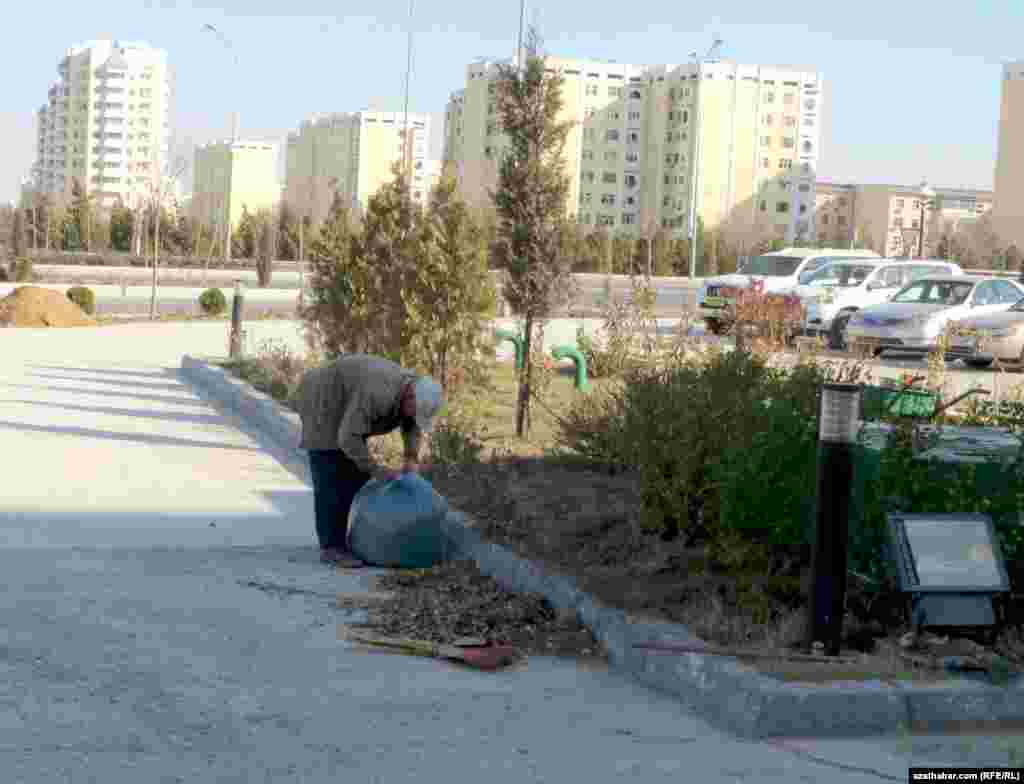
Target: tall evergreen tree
(530,200)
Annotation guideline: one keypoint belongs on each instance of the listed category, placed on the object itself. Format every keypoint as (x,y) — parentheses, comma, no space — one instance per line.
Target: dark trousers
(336,480)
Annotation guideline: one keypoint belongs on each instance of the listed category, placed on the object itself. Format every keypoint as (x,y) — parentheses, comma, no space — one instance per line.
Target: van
(775,272)
(839,289)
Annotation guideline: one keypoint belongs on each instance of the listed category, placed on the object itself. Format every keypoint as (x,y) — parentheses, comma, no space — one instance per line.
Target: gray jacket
(345,401)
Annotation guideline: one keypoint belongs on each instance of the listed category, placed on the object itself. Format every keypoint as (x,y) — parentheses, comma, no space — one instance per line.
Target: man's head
(421,401)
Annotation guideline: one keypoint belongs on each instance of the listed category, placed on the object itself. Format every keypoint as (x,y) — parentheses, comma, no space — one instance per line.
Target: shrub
(593,429)
(766,489)
(213,302)
(84,297)
(21,270)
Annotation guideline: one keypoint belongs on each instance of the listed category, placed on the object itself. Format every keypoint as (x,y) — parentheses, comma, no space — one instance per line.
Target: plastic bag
(398,523)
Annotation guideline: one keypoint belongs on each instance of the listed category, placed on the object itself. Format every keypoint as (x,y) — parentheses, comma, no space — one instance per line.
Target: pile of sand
(33,306)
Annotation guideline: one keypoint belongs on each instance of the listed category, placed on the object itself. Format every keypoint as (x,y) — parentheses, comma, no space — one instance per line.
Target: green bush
(766,488)
(84,297)
(682,419)
(593,429)
(213,302)
(21,270)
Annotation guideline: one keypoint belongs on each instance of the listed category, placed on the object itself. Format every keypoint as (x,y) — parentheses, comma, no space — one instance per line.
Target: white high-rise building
(107,122)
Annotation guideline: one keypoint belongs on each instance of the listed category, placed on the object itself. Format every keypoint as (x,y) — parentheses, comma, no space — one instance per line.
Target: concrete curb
(727,694)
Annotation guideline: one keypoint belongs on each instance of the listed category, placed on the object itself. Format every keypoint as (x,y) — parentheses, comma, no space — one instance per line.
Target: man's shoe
(340,558)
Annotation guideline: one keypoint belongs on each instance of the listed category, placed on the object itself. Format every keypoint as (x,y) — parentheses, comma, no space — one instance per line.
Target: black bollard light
(235,341)
(838,422)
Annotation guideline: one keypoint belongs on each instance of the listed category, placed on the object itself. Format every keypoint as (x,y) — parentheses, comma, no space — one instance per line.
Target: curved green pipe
(501,335)
(573,353)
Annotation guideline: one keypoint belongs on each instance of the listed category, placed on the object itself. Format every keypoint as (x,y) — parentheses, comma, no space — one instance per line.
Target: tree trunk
(156,260)
(525,377)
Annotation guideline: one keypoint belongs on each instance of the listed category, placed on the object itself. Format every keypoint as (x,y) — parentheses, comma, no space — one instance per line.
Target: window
(668,180)
(785,163)
(490,129)
(585,218)
(805,168)
(635,94)
(591,89)
(668,137)
(766,141)
(789,121)
(803,209)
(842,201)
(915,223)
(633,137)
(614,92)
(769,96)
(898,204)
(782,206)
(788,142)
(804,187)
(632,157)
(614,116)
(769,119)
(611,156)
(611,136)
(766,163)
(628,218)
(588,176)
(630,200)
(608,199)
(605,220)
(588,155)
(630,180)
(588,133)
(824,220)
(609,178)
(666,201)
(897,222)
(764,205)
(807,147)
(841,220)
(634,116)
(686,117)
(809,104)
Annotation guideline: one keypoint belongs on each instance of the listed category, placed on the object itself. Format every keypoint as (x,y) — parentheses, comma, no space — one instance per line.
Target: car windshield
(1018,305)
(772,266)
(935,292)
(842,275)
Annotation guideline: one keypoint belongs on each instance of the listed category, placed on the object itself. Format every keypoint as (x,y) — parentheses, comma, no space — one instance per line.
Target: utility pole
(695,178)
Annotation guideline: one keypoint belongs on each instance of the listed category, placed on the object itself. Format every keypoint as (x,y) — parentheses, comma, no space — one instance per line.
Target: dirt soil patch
(34,306)
(583,521)
(454,600)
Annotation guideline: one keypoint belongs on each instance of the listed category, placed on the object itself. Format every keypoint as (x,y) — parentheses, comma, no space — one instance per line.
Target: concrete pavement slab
(137,645)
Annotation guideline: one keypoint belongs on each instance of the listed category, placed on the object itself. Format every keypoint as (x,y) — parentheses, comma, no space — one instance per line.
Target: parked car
(774,272)
(912,319)
(839,289)
(996,336)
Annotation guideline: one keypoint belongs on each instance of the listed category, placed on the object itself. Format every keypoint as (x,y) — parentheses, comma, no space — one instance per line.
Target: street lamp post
(698,63)
(234,138)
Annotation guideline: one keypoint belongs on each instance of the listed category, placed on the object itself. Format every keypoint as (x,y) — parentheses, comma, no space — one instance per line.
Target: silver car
(914,317)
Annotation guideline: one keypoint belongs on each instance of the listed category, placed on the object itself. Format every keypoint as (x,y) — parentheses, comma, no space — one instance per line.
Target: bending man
(343,403)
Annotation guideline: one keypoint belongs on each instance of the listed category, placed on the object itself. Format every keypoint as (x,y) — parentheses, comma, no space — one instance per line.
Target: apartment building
(228,177)
(106,122)
(888,218)
(740,142)
(353,155)
(1008,211)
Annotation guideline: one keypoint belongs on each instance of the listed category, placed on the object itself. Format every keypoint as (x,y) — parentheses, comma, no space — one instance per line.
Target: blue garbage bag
(398,523)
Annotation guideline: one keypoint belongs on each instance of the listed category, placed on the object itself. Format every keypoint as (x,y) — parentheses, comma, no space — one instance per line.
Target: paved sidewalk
(164,619)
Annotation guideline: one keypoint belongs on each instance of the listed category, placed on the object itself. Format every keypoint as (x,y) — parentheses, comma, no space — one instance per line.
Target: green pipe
(573,353)
(501,335)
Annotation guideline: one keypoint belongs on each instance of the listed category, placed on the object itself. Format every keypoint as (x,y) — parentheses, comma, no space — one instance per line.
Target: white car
(775,272)
(914,317)
(836,291)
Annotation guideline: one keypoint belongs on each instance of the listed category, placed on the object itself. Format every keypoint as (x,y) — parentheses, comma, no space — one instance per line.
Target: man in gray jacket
(343,403)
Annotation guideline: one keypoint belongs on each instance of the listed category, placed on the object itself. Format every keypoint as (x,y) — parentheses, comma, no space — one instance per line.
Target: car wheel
(978,364)
(837,332)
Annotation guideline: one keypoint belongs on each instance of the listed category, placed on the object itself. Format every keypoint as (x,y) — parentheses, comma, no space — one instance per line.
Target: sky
(911,94)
